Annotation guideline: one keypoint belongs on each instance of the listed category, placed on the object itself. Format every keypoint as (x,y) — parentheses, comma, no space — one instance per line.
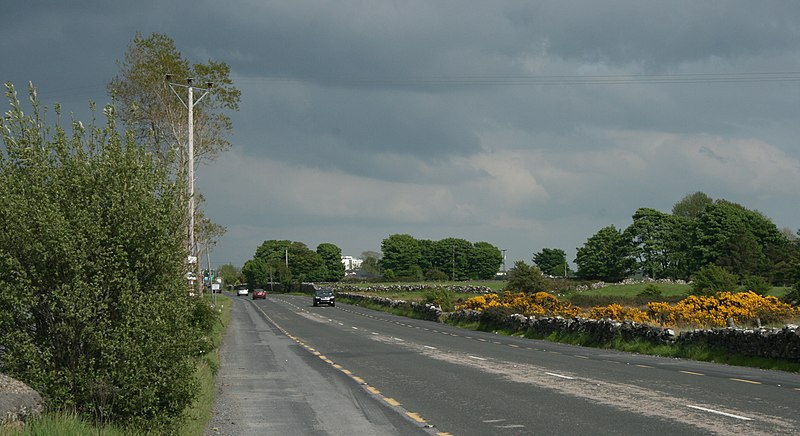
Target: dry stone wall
(782,343)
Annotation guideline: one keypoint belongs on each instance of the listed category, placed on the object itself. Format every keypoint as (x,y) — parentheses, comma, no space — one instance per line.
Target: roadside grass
(198,415)
(61,423)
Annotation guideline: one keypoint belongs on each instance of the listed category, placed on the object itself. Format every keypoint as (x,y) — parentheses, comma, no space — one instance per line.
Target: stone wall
(461,289)
(782,343)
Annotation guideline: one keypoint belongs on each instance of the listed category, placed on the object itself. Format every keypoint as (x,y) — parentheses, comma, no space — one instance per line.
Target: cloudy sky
(523,124)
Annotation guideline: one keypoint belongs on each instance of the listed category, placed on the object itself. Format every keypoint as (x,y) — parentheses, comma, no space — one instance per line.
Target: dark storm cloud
(474,119)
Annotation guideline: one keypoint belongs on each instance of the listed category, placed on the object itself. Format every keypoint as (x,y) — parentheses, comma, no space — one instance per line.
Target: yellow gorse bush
(744,308)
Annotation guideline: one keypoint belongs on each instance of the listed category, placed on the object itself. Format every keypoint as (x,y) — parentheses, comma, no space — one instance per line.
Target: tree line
(699,232)
(291,263)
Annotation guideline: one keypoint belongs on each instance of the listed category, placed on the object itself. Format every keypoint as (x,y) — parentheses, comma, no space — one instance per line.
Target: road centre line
(429,347)
(730,415)
(492,421)
(644,366)
(560,376)
(692,373)
(476,358)
(753,382)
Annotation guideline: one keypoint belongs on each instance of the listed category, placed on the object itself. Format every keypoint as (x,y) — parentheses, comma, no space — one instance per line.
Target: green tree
(401,256)
(605,256)
(552,261)
(95,308)
(692,205)
(229,273)
(484,261)
(156,116)
(525,278)
(256,273)
(332,258)
(713,279)
(453,257)
(718,227)
(650,235)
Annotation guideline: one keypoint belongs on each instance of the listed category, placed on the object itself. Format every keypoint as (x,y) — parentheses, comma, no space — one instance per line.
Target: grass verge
(199,413)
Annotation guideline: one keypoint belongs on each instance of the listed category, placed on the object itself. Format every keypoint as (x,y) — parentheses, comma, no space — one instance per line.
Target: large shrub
(94,311)
(713,279)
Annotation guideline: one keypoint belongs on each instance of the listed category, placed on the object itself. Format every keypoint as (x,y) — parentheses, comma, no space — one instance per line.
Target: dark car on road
(260,293)
(324,296)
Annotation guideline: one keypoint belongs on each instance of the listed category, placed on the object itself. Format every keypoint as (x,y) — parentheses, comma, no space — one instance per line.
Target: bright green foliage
(691,205)
(525,278)
(458,258)
(401,256)
(757,284)
(292,262)
(724,226)
(95,312)
(332,258)
(650,235)
(256,272)
(551,261)
(605,256)
(713,279)
(484,260)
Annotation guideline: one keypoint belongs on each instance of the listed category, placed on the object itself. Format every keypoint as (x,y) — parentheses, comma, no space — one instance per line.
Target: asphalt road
(448,380)
(267,384)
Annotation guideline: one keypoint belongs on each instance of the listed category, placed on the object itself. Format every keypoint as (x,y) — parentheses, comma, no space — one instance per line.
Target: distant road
(461,382)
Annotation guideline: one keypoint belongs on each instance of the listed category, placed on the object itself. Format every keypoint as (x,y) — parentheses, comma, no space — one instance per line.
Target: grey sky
(523,124)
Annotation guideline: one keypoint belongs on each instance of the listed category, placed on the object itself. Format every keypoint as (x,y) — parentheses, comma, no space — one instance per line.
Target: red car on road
(260,293)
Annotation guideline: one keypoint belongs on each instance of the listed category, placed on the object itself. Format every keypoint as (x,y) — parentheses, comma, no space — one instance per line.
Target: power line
(535,80)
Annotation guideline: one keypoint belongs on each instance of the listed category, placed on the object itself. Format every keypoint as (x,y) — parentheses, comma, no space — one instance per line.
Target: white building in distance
(351,263)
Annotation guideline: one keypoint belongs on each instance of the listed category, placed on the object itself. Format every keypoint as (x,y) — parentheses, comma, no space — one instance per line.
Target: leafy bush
(713,279)
(757,284)
(95,313)
(525,278)
(650,291)
(793,296)
(440,297)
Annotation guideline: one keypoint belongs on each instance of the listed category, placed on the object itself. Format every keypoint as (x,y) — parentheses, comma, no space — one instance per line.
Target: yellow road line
(391,401)
(373,390)
(359,380)
(415,417)
(346,371)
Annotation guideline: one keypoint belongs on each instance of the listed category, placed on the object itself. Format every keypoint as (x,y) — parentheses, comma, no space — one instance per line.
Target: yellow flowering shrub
(538,304)
(619,313)
(744,308)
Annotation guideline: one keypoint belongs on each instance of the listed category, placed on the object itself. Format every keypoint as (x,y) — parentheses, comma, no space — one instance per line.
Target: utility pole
(190,107)
(504,263)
